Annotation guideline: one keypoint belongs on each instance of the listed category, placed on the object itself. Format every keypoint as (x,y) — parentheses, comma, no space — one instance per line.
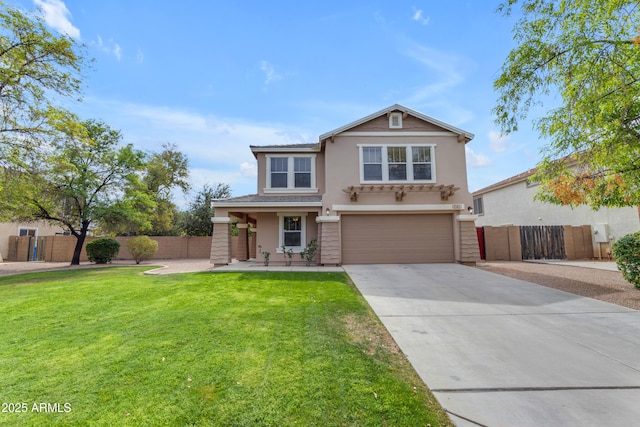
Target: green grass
(229,349)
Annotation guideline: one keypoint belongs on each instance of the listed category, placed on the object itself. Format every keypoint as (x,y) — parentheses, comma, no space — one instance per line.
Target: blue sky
(214,77)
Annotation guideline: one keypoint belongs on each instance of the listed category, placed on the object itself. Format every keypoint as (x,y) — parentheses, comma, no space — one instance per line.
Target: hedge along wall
(60,248)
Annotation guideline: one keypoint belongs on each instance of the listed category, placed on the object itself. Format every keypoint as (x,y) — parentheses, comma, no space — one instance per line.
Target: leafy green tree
(79,181)
(165,171)
(149,199)
(196,221)
(587,53)
(35,67)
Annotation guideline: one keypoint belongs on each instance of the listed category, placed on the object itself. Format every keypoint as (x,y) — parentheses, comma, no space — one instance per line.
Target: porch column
(221,241)
(243,242)
(469,247)
(329,239)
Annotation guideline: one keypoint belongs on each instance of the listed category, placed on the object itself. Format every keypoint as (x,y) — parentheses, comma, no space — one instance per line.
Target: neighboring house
(35,229)
(511,202)
(388,188)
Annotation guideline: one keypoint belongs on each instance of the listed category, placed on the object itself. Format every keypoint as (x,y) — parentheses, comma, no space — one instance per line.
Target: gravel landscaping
(603,285)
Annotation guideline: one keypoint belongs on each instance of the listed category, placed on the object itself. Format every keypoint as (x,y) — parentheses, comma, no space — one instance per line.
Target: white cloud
(498,142)
(419,17)
(249,169)
(269,72)
(57,16)
(217,147)
(476,160)
(109,47)
(140,57)
(444,67)
(117,51)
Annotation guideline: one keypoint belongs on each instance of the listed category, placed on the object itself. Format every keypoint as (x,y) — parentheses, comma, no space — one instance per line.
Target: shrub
(627,254)
(287,253)
(102,251)
(265,254)
(309,251)
(142,248)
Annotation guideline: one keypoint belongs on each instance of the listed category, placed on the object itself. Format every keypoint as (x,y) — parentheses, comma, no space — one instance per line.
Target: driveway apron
(498,351)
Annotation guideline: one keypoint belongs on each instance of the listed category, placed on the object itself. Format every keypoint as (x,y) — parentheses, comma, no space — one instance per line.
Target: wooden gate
(542,242)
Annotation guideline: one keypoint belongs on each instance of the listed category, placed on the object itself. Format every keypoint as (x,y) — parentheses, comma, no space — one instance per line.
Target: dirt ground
(603,285)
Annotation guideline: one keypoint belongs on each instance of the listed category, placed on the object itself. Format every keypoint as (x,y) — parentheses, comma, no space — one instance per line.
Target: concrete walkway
(497,351)
(161,266)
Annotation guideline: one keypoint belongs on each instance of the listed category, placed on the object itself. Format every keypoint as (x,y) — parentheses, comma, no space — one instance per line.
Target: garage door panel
(377,239)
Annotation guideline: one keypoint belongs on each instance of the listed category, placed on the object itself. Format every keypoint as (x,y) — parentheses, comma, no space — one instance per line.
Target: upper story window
(397,163)
(395,120)
(288,172)
(478,206)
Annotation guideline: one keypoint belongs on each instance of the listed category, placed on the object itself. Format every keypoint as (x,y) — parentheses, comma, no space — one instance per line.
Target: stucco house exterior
(511,202)
(388,188)
(34,229)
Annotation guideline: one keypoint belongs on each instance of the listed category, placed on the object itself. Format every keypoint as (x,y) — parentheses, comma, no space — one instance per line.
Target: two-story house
(388,188)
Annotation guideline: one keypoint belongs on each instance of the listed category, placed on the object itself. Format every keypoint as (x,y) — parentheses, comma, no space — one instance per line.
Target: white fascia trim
(397,208)
(392,108)
(287,150)
(388,134)
(268,205)
(328,219)
(289,190)
(221,220)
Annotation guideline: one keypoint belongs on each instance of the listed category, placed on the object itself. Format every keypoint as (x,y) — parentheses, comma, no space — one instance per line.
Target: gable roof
(285,147)
(397,107)
(506,182)
(278,200)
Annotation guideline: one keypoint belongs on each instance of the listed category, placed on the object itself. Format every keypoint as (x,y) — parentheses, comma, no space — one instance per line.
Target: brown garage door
(397,239)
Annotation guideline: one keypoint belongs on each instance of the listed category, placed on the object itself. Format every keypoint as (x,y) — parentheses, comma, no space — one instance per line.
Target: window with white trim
(28,232)
(292,231)
(372,163)
(478,206)
(395,120)
(279,172)
(288,172)
(397,163)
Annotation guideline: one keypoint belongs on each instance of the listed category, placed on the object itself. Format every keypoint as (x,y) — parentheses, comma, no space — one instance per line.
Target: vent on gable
(395,120)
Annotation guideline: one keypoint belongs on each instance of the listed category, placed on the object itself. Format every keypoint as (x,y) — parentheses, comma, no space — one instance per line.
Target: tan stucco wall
(268,234)
(343,156)
(515,205)
(11,229)
(319,168)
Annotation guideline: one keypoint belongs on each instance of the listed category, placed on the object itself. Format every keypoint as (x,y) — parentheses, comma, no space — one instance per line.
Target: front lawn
(114,347)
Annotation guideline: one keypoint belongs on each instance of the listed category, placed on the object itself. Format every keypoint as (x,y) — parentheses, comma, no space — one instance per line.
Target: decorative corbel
(400,195)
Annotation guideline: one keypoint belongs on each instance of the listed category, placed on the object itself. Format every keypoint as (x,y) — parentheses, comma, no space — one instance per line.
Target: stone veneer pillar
(329,239)
(469,247)
(221,241)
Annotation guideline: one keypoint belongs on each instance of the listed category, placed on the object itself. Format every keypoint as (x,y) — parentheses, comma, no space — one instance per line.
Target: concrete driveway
(497,351)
